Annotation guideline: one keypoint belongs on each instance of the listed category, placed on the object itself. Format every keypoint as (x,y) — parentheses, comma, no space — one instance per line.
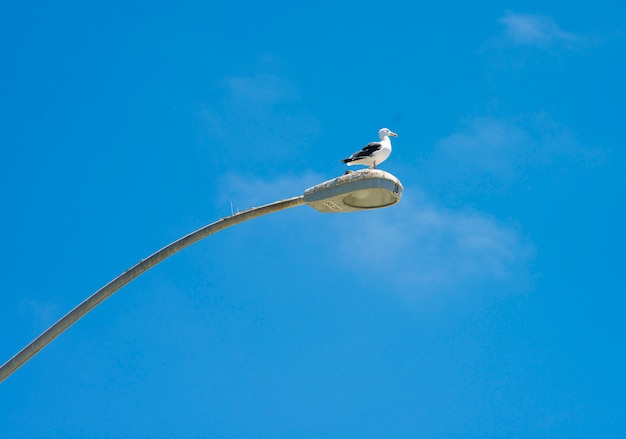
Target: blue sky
(488,303)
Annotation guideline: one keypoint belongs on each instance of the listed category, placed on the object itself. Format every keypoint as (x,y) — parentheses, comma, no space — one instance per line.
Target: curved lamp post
(354,191)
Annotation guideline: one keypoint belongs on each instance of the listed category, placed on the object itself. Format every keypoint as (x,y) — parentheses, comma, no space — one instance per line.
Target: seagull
(374,153)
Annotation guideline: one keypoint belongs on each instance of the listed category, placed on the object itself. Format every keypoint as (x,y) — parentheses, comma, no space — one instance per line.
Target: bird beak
(393,134)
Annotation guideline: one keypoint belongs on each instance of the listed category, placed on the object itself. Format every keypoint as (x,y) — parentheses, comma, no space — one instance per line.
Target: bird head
(386,132)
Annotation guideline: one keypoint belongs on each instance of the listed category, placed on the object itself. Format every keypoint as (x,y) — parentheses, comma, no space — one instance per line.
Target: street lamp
(354,191)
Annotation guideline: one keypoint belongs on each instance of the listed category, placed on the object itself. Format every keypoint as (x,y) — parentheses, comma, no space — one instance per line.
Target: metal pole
(103,293)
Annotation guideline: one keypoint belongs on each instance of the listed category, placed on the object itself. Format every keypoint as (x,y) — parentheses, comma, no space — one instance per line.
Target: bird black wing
(367,150)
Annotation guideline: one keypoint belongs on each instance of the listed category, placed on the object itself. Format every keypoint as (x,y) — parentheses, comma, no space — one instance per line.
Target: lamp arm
(106,291)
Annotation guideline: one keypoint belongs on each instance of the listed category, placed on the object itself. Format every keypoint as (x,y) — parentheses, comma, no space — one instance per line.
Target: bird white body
(375,158)
(373,153)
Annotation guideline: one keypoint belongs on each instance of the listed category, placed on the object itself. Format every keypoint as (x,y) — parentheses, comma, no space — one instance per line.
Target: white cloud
(255,118)
(419,248)
(536,30)
(504,151)
(246,191)
(428,249)
(247,99)
(425,248)
(487,145)
(40,313)
(259,91)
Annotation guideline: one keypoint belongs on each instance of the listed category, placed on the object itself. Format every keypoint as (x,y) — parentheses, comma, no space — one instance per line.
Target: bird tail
(347,160)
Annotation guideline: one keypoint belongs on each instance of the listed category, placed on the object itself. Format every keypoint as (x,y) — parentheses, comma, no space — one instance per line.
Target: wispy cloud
(258,116)
(487,145)
(243,100)
(40,313)
(537,30)
(246,191)
(427,249)
(505,150)
(421,248)
(260,91)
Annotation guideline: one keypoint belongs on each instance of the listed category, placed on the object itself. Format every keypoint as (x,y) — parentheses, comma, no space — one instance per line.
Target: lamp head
(354,191)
